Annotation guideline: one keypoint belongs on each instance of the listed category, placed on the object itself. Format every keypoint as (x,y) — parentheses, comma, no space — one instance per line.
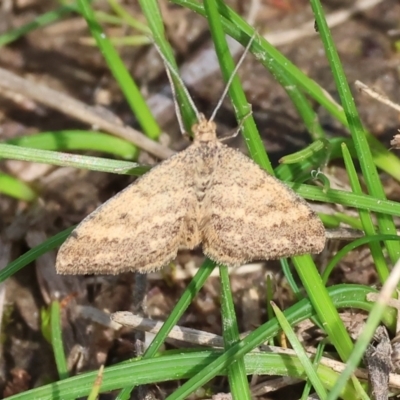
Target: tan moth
(209,195)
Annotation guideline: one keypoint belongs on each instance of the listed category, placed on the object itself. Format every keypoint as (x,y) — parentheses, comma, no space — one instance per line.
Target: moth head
(204,130)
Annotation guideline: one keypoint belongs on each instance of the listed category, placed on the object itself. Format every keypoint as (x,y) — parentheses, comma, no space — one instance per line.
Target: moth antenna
(228,84)
(171,71)
(177,109)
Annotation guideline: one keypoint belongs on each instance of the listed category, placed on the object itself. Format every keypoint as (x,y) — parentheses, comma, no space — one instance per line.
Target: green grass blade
(347,199)
(318,355)
(56,340)
(70,160)
(366,219)
(125,16)
(173,366)
(303,357)
(77,140)
(237,377)
(325,309)
(13,187)
(120,73)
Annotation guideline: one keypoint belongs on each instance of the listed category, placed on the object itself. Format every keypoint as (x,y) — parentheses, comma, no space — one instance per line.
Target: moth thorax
(201,182)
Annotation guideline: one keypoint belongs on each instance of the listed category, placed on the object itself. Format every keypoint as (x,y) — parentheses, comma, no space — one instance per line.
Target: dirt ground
(61,57)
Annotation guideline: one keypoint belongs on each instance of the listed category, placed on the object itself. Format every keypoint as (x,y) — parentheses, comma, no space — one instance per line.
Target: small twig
(272,385)
(375,95)
(188,335)
(139,298)
(395,303)
(395,142)
(81,111)
(307,29)
(343,233)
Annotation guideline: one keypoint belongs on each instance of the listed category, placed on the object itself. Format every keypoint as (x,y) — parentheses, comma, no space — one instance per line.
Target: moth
(208,194)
